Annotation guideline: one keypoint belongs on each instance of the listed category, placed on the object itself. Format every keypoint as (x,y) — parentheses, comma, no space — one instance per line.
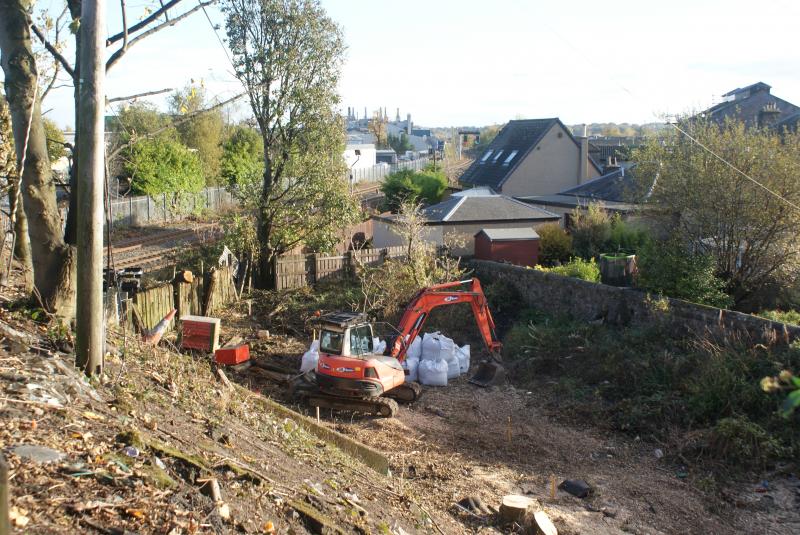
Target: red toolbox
(232,355)
(200,332)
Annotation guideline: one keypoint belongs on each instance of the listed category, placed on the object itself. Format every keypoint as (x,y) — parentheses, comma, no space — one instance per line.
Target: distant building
(533,157)
(755,106)
(360,156)
(459,218)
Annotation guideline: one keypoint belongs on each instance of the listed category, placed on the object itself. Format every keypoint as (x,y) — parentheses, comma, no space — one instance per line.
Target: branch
(189,116)
(139,25)
(55,53)
(115,57)
(131,97)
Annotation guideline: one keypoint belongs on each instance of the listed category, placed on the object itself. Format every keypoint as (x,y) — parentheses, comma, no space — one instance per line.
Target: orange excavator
(350,375)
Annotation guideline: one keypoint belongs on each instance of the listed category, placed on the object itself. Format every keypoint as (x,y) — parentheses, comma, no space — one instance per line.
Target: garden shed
(518,246)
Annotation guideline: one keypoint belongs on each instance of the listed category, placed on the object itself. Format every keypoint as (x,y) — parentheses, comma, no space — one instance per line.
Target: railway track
(161,249)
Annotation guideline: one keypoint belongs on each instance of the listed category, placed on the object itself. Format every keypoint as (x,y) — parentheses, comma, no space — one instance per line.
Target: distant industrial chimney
(365,113)
(397,119)
(408,124)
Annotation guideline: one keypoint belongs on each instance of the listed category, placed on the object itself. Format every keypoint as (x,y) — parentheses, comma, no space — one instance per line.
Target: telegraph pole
(90,339)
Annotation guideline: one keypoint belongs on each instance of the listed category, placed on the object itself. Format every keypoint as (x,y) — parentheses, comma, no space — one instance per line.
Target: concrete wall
(365,160)
(625,306)
(552,166)
(383,235)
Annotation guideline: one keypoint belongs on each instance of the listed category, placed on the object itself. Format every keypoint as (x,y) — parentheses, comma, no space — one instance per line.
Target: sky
(472,62)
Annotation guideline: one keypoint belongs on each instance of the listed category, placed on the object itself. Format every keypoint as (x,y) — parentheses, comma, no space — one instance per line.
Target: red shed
(518,246)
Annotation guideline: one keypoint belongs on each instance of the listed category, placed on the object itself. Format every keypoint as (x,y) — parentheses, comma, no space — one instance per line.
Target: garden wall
(626,306)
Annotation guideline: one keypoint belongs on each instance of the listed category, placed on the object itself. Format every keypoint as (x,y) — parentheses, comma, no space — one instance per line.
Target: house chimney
(768,115)
(583,162)
(408,124)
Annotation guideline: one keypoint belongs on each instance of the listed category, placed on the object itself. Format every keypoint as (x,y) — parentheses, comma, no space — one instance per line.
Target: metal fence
(143,210)
(376,173)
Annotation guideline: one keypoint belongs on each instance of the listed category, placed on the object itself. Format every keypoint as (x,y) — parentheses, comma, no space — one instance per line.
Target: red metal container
(232,355)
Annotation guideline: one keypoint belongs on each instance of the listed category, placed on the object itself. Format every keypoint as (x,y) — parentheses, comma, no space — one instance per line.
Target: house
(455,221)
(617,190)
(518,246)
(754,105)
(533,157)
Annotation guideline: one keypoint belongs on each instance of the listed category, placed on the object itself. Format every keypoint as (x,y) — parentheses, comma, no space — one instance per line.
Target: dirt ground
(187,426)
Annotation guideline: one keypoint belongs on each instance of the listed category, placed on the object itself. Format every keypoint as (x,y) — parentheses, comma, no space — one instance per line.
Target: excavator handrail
(427,299)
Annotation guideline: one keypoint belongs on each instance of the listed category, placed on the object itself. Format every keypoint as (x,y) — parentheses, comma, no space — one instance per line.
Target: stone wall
(626,306)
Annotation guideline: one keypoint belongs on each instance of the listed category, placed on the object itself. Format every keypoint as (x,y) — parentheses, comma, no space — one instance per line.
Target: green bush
(242,157)
(668,268)
(578,268)
(409,186)
(783,316)
(555,244)
(739,440)
(625,236)
(591,231)
(161,165)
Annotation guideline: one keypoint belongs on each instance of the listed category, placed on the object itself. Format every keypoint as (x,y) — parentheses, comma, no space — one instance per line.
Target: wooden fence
(204,296)
(296,271)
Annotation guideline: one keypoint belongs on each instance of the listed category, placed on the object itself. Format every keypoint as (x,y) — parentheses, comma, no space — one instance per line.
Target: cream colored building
(533,157)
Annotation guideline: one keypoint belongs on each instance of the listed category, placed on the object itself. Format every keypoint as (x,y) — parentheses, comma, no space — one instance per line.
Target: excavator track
(380,406)
(405,393)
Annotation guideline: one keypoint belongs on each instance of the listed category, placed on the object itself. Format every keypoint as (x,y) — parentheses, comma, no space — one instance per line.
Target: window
(360,340)
(486,156)
(510,157)
(331,342)
(497,156)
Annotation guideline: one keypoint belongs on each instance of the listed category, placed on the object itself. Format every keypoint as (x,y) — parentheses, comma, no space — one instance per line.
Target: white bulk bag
(431,346)
(462,353)
(433,372)
(310,357)
(415,349)
(378,345)
(411,366)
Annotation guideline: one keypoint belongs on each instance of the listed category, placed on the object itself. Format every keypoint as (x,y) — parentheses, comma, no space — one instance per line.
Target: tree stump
(543,525)
(514,507)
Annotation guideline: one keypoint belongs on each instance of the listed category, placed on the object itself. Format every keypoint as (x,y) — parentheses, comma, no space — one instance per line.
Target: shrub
(413,187)
(578,268)
(739,440)
(162,165)
(626,237)
(787,316)
(668,268)
(555,244)
(591,230)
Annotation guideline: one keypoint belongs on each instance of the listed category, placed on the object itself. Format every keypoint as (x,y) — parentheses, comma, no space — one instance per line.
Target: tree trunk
(22,244)
(53,260)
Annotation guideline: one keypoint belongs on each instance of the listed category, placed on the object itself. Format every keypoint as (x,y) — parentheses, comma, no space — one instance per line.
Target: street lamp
(358,157)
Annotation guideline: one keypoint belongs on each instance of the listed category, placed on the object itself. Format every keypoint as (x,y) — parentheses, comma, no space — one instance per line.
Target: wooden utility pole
(90,340)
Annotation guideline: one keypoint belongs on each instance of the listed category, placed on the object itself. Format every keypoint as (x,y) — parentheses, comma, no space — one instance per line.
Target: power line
(221,42)
(675,126)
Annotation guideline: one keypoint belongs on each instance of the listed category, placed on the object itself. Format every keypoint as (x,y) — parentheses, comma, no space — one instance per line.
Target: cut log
(543,525)
(514,507)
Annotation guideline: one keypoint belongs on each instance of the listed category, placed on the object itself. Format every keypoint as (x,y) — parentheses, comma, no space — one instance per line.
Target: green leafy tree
(555,244)
(242,158)
(203,132)
(670,268)
(288,55)
(409,186)
(749,233)
(161,165)
(55,140)
(400,144)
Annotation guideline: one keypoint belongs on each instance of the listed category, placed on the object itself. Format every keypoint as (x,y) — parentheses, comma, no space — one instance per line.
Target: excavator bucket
(489,373)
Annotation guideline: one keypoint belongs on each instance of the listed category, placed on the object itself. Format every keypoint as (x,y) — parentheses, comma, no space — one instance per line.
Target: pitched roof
(618,186)
(520,136)
(509,234)
(747,104)
(484,208)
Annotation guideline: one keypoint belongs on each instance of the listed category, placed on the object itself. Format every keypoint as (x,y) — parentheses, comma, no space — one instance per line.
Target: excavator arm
(451,293)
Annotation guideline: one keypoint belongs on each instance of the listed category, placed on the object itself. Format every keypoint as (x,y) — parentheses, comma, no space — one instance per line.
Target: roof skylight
(497,156)
(486,156)
(510,157)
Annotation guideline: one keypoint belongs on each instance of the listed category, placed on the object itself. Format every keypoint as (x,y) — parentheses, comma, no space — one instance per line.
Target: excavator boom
(451,293)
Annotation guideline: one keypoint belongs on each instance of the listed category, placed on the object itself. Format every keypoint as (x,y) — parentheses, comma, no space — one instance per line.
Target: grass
(647,382)
(782,316)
